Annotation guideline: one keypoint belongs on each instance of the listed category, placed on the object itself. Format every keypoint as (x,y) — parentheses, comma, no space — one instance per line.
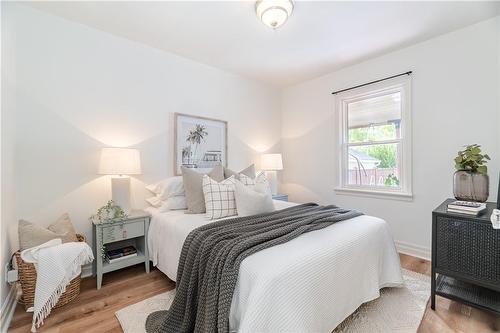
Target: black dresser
(465,258)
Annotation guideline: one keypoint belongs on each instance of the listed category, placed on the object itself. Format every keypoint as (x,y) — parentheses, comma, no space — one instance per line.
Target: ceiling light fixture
(273,13)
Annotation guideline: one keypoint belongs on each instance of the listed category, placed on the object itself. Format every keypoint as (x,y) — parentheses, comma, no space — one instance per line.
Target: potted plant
(471,181)
(391,180)
(109,211)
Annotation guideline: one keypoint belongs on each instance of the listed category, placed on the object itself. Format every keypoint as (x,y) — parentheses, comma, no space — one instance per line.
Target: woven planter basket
(27,277)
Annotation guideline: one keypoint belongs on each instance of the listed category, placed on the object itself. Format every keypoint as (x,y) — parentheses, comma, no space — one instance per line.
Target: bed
(309,284)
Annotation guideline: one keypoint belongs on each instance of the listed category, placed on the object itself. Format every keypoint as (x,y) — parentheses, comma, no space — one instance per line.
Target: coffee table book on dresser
(119,233)
(465,258)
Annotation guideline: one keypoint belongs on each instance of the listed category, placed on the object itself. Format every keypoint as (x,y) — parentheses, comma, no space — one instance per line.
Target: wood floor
(93,310)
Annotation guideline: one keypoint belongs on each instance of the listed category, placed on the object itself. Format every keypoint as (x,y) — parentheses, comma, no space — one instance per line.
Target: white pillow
(252,201)
(219,197)
(154,201)
(260,181)
(154,188)
(173,203)
(169,187)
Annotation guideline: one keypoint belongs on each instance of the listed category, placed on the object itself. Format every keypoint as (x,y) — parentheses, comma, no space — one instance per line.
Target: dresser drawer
(469,248)
(120,231)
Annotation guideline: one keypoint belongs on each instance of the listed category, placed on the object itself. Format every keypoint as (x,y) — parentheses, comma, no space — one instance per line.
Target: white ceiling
(318,38)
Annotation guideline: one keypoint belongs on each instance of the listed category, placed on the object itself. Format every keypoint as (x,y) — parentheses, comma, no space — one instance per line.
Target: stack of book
(466,207)
(120,254)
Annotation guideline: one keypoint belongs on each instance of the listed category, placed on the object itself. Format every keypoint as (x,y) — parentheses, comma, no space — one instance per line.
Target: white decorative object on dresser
(495,218)
(113,234)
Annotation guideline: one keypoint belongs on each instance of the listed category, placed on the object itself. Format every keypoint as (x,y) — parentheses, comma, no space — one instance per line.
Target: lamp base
(120,192)
(273,181)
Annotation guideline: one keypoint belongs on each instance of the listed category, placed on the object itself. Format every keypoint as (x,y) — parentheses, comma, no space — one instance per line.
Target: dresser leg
(433,290)
(147,265)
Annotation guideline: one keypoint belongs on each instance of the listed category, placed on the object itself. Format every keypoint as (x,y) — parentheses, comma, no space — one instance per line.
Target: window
(375,140)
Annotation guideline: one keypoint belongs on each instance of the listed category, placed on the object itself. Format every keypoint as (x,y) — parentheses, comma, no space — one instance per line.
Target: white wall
(455,102)
(70,90)
(79,89)
(7,203)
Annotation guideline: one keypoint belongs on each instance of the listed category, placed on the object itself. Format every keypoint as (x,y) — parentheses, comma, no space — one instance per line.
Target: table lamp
(120,162)
(272,163)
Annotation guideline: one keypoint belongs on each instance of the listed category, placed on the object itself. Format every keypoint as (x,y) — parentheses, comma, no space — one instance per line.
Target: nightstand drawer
(121,231)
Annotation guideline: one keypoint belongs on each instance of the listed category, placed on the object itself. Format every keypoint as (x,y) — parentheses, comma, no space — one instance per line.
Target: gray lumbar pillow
(193,186)
(249,171)
(31,234)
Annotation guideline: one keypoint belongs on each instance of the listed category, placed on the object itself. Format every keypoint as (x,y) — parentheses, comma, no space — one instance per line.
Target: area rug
(396,310)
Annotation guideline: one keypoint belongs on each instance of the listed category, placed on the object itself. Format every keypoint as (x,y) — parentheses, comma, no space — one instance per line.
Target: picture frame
(199,142)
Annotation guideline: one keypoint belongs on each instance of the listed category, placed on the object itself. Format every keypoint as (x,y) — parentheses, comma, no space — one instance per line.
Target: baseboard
(8,308)
(413,250)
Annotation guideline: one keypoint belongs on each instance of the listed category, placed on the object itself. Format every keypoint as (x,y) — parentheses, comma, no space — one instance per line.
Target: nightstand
(282,197)
(465,258)
(118,233)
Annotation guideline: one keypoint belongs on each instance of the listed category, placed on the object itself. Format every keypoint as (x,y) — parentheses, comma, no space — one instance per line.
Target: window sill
(374,193)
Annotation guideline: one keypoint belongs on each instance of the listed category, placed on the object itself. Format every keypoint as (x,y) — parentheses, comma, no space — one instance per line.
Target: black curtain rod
(376,81)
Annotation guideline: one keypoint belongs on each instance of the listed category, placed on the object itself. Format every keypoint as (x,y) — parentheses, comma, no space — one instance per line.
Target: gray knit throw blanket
(211,257)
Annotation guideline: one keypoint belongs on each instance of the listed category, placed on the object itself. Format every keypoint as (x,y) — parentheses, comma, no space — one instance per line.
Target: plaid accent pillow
(219,197)
(247,181)
(260,183)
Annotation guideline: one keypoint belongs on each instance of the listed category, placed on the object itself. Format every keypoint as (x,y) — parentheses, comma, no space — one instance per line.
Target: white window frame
(403,86)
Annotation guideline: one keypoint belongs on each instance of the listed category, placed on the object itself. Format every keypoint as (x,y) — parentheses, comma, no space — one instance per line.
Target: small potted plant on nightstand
(109,211)
(471,181)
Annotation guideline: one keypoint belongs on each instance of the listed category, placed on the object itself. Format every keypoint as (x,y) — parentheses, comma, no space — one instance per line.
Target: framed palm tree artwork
(199,142)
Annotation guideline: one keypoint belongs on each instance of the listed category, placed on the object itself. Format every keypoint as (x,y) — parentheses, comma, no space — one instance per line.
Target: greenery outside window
(375,139)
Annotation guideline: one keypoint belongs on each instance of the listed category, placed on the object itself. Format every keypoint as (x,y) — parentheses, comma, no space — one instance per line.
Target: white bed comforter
(310,284)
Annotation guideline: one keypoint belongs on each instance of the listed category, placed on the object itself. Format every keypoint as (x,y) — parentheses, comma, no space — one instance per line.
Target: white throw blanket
(56,264)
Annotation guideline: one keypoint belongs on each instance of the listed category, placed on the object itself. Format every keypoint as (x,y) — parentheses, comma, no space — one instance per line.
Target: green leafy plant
(386,153)
(109,211)
(103,251)
(391,180)
(471,159)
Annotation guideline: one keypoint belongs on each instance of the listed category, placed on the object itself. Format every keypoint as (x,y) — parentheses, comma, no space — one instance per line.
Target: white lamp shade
(271,162)
(120,161)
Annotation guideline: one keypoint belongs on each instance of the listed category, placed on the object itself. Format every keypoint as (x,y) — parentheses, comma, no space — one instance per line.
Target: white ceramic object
(495,218)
